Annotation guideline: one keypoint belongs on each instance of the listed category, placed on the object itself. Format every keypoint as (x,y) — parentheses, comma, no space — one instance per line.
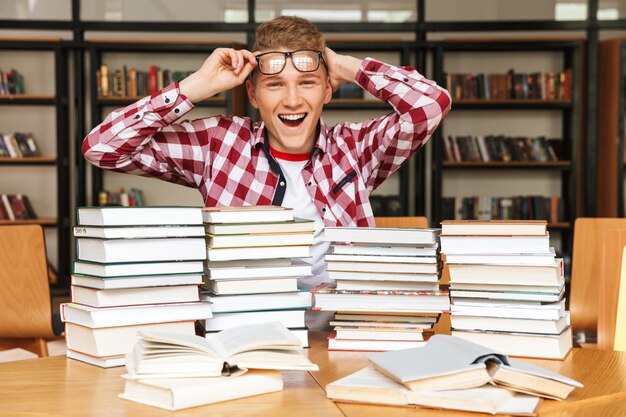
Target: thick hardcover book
(139,216)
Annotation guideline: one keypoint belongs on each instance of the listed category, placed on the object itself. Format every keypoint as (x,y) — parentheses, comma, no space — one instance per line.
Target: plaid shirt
(228,158)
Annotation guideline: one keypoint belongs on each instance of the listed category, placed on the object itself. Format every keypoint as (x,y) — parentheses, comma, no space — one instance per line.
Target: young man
(290,158)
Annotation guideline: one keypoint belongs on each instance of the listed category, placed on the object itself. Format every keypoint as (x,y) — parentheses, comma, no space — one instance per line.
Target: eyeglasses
(304,60)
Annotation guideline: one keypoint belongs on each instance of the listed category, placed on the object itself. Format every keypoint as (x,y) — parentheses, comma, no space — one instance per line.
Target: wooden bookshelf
(42,221)
(30,160)
(507,165)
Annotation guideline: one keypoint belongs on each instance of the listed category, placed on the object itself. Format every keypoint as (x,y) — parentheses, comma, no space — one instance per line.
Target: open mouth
(292,120)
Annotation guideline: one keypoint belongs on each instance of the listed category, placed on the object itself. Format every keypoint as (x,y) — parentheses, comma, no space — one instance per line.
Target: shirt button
(167,100)
(363,79)
(406,80)
(309,184)
(282,183)
(372,68)
(324,209)
(176,111)
(137,116)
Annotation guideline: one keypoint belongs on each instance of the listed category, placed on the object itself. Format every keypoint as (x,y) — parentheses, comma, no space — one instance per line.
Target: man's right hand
(223,70)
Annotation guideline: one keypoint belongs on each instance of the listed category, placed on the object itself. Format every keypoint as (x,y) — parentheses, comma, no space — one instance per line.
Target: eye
(274,84)
(307,82)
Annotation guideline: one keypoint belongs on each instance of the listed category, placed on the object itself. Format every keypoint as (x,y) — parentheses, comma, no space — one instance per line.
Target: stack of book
(386,293)
(174,371)
(451,373)
(255,257)
(507,287)
(136,269)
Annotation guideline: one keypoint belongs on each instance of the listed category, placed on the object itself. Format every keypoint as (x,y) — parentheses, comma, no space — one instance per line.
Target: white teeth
(292,116)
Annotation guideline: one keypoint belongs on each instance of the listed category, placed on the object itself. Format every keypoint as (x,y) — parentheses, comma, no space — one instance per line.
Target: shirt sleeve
(144,139)
(383,144)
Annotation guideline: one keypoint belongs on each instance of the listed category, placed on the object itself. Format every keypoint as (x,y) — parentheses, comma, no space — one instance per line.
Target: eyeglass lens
(304,61)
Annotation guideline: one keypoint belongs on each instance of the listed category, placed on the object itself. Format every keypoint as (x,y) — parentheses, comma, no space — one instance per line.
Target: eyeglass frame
(289,54)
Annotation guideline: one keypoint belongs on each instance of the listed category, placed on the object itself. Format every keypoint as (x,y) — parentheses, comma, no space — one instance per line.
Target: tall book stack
(136,269)
(386,293)
(507,287)
(255,256)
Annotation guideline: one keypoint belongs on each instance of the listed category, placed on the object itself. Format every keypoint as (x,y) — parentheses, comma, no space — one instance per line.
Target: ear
(251,95)
(329,91)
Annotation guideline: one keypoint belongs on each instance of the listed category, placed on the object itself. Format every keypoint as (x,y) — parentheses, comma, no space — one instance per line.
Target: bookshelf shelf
(43,222)
(511,104)
(560,225)
(559,165)
(29,99)
(32,160)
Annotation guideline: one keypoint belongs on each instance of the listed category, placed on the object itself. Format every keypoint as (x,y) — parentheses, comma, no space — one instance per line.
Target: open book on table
(370,386)
(450,363)
(259,346)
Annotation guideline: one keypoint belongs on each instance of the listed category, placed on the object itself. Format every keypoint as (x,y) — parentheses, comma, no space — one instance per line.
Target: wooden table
(57,386)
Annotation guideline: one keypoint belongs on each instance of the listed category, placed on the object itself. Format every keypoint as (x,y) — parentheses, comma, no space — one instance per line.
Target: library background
(536,129)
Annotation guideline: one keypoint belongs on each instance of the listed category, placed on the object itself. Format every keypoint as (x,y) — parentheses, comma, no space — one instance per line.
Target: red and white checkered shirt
(228,158)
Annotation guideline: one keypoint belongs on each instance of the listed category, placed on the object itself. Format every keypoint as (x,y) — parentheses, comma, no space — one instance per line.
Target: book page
(369,386)
(271,335)
(162,343)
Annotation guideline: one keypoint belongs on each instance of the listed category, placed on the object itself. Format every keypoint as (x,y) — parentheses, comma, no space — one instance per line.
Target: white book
(180,393)
(136,282)
(544,289)
(302,334)
(111,232)
(352,333)
(526,345)
(295,226)
(381,235)
(400,268)
(262,252)
(501,324)
(425,250)
(137,268)
(288,318)
(138,216)
(296,269)
(125,316)
(140,250)
(252,286)
(387,285)
(508,312)
(247,214)
(115,341)
(494,227)
(507,295)
(254,240)
(481,245)
(371,345)
(119,297)
(331,257)
(257,302)
(110,362)
(382,276)
(539,259)
(507,274)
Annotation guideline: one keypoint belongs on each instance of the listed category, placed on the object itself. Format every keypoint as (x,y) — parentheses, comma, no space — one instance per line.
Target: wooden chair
(587,262)
(402,222)
(612,297)
(25,294)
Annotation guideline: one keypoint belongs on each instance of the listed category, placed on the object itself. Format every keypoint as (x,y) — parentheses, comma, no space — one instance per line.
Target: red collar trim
(294,157)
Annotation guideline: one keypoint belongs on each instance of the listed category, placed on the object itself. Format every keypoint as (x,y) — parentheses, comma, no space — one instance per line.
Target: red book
(152,79)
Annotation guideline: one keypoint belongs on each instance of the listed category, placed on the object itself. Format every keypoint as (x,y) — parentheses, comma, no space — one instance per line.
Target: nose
(292,95)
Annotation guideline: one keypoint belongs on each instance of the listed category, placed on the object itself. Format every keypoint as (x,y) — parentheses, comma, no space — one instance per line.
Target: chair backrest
(24,293)
(402,222)
(586,264)
(612,286)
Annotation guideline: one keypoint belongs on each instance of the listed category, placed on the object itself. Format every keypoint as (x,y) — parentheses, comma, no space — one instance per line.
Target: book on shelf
(260,346)
(180,393)
(288,318)
(11,82)
(494,227)
(449,362)
(252,286)
(381,235)
(262,268)
(128,269)
(498,148)
(140,250)
(255,240)
(530,345)
(16,207)
(247,214)
(258,302)
(295,226)
(129,315)
(260,252)
(121,197)
(135,281)
(529,207)
(138,216)
(504,324)
(129,232)
(372,387)
(119,297)
(116,341)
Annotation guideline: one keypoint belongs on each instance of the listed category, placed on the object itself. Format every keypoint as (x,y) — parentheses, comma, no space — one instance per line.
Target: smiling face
(290,103)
